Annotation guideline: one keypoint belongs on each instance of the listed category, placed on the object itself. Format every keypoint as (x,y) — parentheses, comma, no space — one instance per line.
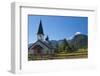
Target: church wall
(31,51)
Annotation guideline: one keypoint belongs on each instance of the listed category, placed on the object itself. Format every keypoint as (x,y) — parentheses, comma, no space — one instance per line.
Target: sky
(57,27)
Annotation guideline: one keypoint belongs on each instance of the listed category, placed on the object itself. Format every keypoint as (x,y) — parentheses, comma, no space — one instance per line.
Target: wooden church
(41,46)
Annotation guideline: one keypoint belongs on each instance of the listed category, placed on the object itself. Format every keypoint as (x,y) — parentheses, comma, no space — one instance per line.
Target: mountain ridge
(78,41)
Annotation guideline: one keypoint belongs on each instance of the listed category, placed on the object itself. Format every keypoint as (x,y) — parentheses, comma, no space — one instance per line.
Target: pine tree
(47,38)
(65,45)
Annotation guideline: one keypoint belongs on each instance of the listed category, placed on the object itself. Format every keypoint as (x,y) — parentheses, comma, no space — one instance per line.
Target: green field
(81,53)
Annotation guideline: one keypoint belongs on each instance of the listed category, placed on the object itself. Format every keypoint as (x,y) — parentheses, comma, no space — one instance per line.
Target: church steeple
(40,33)
(40,29)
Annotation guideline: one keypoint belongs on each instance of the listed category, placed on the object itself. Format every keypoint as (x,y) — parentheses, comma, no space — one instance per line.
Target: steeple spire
(40,29)
(40,33)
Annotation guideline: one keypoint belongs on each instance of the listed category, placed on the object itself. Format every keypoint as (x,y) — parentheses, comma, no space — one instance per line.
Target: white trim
(16,52)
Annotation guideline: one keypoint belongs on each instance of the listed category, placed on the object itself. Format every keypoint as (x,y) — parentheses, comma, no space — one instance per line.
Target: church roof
(40,29)
(43,42)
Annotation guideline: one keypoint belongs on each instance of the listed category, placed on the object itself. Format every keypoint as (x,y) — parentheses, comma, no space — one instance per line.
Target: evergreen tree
(47,38)
(61,48)
(65,45)
(57,49)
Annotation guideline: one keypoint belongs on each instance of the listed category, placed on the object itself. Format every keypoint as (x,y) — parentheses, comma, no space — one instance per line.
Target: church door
(37,50)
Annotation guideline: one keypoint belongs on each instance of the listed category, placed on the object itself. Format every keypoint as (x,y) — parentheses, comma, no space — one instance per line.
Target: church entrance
(37,50)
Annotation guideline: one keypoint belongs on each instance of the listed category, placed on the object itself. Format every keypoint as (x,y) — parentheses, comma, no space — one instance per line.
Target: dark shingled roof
(40,29)
(43,42)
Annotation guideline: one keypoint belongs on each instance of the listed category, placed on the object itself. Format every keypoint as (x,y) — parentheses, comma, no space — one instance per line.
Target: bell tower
(40,33)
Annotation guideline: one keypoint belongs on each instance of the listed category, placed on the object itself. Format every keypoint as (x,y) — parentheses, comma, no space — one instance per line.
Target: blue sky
(57,27)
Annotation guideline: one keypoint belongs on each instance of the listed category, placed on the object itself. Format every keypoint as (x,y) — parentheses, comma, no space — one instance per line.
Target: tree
(71,49)
(47,38)
(65,45)
(57,49)
(60,48)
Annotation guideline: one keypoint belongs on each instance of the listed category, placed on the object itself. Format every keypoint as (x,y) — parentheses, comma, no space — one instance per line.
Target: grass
(81,53)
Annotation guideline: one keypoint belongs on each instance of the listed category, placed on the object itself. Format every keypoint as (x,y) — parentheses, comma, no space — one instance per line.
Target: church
(41,46)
